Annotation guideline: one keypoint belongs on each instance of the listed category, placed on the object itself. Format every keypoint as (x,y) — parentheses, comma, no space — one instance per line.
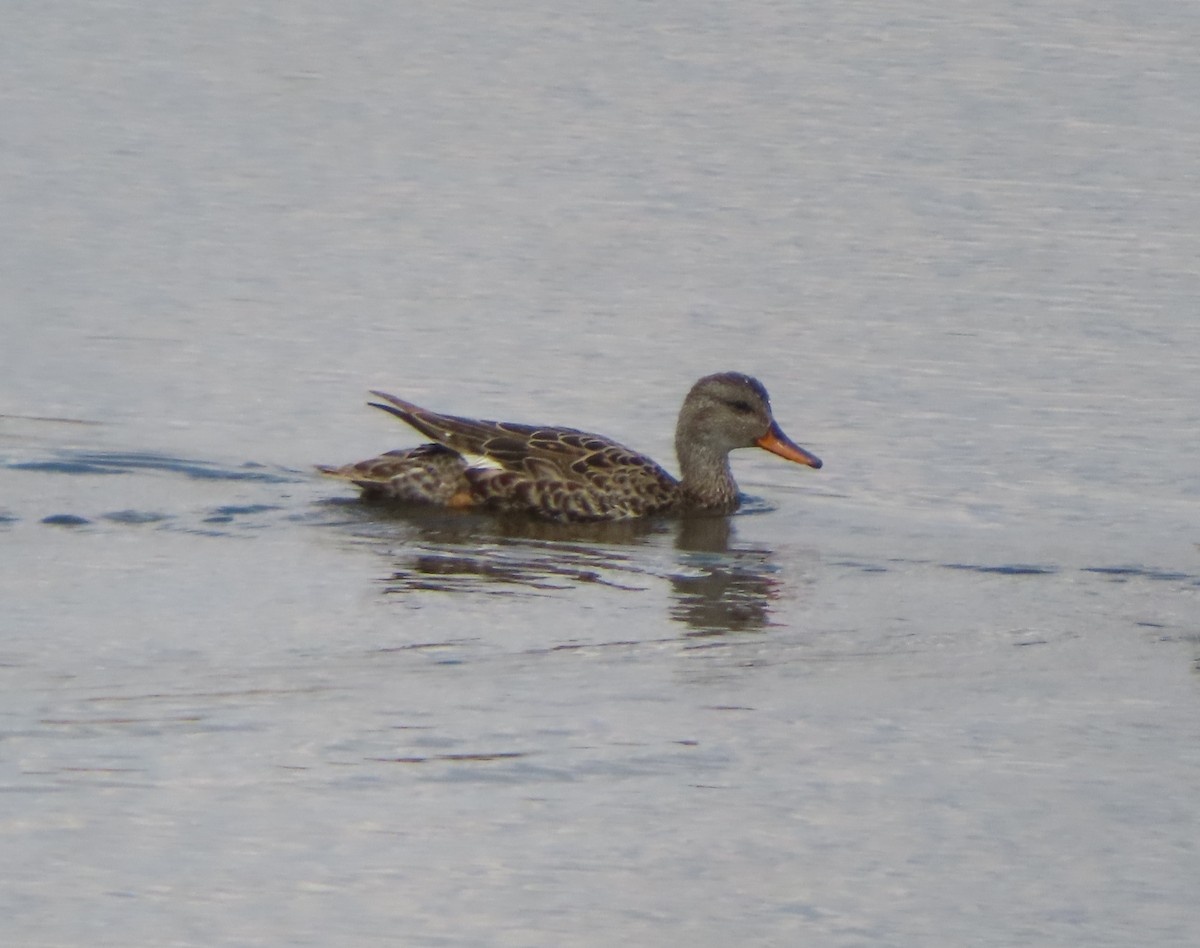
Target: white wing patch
(481,462)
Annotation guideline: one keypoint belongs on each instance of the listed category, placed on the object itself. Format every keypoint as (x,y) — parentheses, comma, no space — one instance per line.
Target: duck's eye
(742,407)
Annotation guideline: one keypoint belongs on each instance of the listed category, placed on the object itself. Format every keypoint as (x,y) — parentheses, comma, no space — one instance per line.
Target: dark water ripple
(1005,569)
(1117,574)
(88,463)
(1121,573)
(105,462)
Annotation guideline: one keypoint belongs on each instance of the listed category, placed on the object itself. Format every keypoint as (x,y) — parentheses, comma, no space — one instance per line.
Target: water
(942,692)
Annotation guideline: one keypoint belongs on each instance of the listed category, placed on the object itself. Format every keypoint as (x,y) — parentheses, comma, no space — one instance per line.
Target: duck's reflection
(717,585)
(454,551)
(720,587)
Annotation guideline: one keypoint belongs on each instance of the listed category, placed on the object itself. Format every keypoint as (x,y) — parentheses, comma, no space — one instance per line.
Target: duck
(572,476)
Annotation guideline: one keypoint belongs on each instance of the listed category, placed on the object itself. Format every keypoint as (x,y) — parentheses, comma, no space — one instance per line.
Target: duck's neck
(706,481)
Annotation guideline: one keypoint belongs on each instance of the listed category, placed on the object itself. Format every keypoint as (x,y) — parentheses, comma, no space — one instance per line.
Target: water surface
(942,692)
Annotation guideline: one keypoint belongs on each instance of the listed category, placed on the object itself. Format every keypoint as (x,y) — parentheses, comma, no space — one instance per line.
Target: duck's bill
(777,442)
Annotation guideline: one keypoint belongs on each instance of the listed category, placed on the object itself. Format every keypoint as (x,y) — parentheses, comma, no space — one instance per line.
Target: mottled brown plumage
(569,475)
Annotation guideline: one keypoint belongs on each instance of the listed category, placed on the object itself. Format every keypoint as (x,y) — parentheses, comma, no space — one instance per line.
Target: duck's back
(569,475)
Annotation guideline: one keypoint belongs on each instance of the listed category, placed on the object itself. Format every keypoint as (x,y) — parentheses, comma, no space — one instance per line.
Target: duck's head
(730,410)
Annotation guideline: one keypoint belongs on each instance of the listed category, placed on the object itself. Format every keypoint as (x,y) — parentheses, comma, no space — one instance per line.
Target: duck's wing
(533,450)
(561,473)
(467,436)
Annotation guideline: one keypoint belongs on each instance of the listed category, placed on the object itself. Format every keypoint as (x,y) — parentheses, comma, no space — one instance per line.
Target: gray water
(942,692)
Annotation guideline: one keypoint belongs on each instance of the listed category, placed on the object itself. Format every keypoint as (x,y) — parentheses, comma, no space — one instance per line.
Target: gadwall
(572,476)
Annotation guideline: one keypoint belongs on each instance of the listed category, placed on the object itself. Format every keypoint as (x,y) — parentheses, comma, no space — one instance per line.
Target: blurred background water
(942,692)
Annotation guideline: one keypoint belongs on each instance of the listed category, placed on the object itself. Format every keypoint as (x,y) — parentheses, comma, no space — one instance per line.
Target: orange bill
(777,442)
